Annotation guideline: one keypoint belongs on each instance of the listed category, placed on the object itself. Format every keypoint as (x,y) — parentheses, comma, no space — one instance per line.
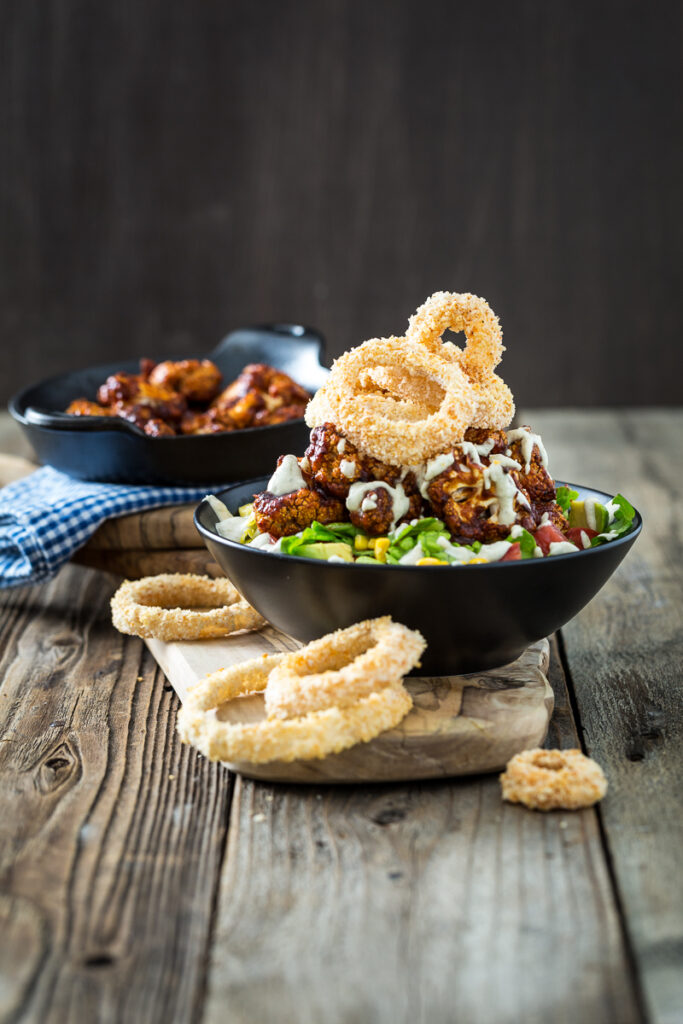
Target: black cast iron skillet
(111,449)
(474,617)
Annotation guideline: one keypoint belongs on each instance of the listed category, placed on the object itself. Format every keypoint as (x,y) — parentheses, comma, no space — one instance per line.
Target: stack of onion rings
(406,399)
(358,695)
(181,606)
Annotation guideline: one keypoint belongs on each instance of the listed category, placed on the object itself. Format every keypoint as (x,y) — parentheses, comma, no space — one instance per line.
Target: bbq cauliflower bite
(282,516)
(467,504)
(84,407)
(260,396)
(478,436)
(376,512)
(336,463)
(198,380)
(126,392)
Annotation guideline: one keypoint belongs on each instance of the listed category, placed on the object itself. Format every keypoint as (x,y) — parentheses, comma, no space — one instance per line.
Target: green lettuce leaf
(564,497)
(526,542)
(621,524)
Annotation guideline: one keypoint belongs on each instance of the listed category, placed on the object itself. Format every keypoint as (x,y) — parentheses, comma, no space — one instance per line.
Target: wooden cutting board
(459,725)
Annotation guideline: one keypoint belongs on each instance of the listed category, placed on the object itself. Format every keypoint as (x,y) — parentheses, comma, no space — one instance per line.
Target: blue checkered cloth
(47,516)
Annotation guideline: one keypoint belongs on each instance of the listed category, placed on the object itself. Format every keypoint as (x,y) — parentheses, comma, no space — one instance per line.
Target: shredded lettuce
(424,532)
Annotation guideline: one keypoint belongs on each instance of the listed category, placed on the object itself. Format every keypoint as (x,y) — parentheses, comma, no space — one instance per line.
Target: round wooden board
(459,725)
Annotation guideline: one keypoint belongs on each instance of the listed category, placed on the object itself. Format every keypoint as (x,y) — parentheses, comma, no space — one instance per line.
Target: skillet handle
(300,349)
(85,424)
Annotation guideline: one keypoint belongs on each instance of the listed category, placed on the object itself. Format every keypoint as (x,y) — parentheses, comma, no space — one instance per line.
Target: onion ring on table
(297,739)
(341,668)
(181,606)
(546,780)
(392,430)
(224,684)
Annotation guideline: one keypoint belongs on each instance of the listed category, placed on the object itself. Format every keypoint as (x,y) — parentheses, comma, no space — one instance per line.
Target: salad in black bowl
(414,498)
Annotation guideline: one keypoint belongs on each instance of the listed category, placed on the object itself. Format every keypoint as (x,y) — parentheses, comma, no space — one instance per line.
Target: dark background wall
(171,169)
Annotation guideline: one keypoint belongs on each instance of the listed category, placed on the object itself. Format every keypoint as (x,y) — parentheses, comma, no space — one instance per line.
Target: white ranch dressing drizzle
(459,554)
(305,465)
(538,552)
(528,441)
(505,489)
(611,510)
(495,551)
(474,451)
(399,500)
(347,468)
(585,539)
(505,461)
(368,503)
(589,509)
(544,520)
(232,528)
(341,445)
(286,478)
(561,547)
(413,556)
(491,552)
(264,541)
(219,507)
(516,531)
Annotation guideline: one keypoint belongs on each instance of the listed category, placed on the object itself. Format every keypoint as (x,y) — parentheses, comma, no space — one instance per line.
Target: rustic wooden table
(138,882)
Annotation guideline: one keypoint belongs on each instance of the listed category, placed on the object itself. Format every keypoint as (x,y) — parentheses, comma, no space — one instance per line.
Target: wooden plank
(625,652)
(427,902)
(458,725)
(111,832)
(135,564)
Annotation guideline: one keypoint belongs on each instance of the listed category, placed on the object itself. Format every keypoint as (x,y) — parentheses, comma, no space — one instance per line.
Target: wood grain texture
(135,564)
(111,833)
(458,725)
(172,170)
(625,652)
(416,904)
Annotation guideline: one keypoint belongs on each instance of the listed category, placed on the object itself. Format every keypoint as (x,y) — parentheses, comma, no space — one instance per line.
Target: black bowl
(473,618)
(111,449)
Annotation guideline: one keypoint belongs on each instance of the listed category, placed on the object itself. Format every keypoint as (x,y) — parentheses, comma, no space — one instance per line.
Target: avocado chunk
(589,515)
(325,549)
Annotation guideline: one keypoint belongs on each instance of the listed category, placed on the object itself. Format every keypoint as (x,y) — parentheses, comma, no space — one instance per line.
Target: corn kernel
(382,545)
(360,542)
(431,561)
(477,561)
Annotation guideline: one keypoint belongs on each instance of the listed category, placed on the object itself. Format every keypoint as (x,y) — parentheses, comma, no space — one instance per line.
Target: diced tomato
(513,553)
(547,535)
(574,535)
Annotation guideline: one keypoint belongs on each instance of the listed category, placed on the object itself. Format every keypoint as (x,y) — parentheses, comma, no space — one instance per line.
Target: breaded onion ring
(392,430)
(181,606)
(341,668)
(459,312)
(495,405)
(248,676)
(298,739)
(545,780)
